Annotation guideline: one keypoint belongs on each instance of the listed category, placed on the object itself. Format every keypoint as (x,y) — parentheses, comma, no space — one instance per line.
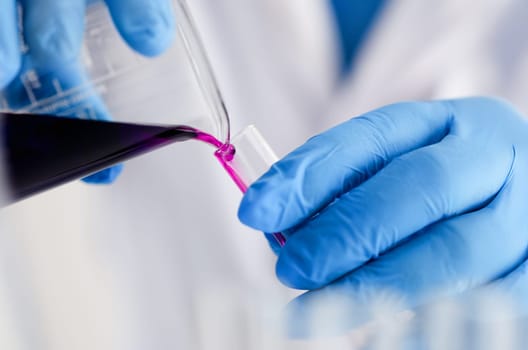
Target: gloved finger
(53,30)
(444,260)
(105,176)
(147,26)
(9,43)
(412,192)
(341,158)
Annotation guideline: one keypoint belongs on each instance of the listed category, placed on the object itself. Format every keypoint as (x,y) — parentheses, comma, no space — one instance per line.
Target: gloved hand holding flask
(44,37)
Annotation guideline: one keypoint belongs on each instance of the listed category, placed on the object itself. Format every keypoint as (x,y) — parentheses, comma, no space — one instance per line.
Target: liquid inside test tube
(248,161)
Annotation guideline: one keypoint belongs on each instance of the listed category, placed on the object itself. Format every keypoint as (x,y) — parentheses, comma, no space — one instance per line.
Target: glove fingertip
(104,177)
(150,44)
(150,37)
(258,212)
(247,213)
(294,270)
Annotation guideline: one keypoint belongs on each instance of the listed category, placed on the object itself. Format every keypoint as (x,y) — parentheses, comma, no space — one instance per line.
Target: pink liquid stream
(225,152)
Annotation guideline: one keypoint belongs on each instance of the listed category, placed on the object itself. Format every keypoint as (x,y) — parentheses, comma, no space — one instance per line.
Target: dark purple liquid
(41,152)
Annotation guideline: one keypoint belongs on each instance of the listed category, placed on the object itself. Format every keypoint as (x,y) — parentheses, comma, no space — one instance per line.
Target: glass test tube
(247,158)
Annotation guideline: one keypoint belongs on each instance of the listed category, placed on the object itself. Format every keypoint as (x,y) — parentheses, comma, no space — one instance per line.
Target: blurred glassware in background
(483,320)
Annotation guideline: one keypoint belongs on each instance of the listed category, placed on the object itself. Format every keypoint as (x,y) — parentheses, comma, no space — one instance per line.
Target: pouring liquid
(42,151)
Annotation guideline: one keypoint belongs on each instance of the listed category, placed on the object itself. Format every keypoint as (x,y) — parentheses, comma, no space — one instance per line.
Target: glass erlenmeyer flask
(109,80)
(153,101)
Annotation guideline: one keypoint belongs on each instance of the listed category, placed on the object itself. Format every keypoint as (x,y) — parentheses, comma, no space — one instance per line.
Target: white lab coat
(126,266)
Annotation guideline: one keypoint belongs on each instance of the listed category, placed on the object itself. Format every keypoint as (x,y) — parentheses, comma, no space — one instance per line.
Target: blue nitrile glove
(414,200)
(52,36)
